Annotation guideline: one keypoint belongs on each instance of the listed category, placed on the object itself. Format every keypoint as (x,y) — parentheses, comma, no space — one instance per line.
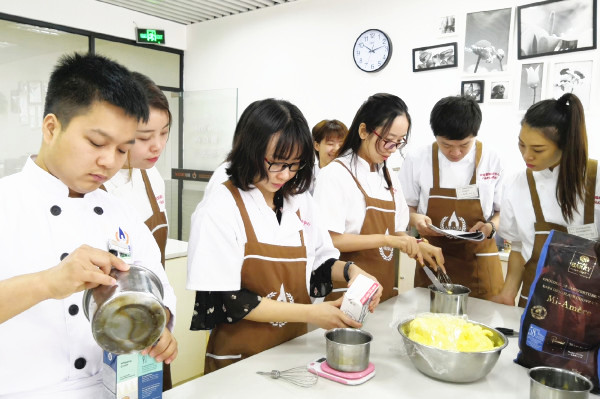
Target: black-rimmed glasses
(390,145)
(280,166)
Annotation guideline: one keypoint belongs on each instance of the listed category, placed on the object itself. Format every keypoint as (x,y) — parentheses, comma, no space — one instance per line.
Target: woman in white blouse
(559,190)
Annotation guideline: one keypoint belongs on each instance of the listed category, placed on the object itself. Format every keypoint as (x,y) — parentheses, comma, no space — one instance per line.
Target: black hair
(79,80)
(455,118)
(563,122)
(154,95)
(328,128)
(258,123)
(380,110)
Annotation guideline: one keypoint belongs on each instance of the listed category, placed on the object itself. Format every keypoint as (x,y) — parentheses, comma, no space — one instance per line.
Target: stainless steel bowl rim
(353,330)
(496,349)
(572,373)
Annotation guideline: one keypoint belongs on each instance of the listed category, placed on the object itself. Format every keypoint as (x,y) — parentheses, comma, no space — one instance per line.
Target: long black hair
(259,122)
(563,122)
(379,110)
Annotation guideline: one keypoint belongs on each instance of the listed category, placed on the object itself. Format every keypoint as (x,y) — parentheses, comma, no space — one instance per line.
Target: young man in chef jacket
(56,224)
(455,184)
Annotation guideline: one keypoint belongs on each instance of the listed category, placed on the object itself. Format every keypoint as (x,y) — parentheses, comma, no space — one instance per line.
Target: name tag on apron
(588,231)
(467,192)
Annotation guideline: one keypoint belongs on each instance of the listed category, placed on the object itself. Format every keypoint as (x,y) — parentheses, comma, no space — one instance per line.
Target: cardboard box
(131,376)
(356,300)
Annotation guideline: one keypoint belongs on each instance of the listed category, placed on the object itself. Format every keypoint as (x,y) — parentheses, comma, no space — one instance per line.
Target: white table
(395,376)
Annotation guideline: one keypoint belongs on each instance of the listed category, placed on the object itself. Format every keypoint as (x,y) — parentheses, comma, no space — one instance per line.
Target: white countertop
(175,249)
(396,377)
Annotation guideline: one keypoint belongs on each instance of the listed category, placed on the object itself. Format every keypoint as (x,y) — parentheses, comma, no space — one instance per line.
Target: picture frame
(499,91)
(435,57)
(446,26)
(474,89)
(572,77)
(487,41)
(531,89)
(556,27)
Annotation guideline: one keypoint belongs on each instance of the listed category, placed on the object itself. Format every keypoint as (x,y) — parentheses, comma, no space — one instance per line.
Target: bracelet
(420,240)
(346,268)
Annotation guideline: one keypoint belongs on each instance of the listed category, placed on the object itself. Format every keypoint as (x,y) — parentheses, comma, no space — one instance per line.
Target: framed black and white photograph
(553,27)
(473,89)
(487,37)
(572,77)
(530,90)
(499,91)
(447,26)
(434,57)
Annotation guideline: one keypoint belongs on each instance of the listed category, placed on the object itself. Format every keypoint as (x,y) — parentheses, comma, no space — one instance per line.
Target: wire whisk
(299,376)
(445,280)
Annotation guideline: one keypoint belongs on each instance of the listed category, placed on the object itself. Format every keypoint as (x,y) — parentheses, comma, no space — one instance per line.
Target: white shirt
(416,177)
(316,170)
(218,237)
(218,177)
(133,191)
(517,217)
(343,205)
(42,343)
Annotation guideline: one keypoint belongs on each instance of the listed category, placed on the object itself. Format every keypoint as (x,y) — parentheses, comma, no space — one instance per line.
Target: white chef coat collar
(289,204)
(547,173)
(46,182)
(467,159)
(359,164)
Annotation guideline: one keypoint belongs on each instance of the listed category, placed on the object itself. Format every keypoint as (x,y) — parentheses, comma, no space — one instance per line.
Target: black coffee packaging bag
(560,326)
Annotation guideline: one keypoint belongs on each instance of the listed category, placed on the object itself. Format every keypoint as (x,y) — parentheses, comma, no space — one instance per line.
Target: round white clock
(372,50)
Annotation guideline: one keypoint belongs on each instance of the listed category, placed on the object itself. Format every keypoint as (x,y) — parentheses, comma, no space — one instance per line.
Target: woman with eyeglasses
(455,184)
(559,189)
(257,248)
(362,204)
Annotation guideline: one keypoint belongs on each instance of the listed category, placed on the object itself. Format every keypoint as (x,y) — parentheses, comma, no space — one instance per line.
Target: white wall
(302,52)
(95,16)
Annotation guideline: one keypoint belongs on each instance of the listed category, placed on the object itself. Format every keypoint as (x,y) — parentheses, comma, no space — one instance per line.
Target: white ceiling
(194,11)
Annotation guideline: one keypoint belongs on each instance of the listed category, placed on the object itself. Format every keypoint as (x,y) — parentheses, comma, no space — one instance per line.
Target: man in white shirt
(455,184)
(56,224)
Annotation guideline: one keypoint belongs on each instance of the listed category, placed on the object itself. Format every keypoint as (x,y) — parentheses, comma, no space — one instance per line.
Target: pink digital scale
(322,369)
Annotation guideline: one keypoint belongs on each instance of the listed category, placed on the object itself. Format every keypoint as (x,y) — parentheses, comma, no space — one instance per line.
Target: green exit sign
(153,36)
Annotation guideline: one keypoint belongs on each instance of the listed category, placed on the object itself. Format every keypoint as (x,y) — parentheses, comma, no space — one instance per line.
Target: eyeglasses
(280,166)
(390,145)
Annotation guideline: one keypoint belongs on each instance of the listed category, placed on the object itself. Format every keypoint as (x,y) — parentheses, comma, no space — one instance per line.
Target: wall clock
(372,50)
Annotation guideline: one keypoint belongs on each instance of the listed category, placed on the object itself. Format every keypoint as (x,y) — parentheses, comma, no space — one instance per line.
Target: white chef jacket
(218,237)
(313,182)
(133,191)
(342,204)
(40,224)
(218,177)
(517,217)
(416,177)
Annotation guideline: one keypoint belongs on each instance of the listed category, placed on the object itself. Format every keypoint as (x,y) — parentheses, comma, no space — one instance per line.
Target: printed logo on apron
(387,253)
(453,223)
(282,297)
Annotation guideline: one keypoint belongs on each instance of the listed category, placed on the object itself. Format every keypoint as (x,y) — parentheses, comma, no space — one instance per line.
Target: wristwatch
(346,268)
(493,233)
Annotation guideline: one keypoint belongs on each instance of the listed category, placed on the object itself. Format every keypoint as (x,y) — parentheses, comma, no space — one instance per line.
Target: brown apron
(542,228)
(272,271)
(470,263)
(157,223)
(380,218)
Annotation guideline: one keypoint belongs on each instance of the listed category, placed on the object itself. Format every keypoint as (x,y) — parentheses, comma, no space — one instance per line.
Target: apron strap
(150,192)
(251,236)
(590,191)
(435,163)
(535,199)
(301,231)
(478,147)
(355,179)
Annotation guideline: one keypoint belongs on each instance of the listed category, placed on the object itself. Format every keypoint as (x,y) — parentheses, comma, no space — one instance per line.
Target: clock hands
(377,48)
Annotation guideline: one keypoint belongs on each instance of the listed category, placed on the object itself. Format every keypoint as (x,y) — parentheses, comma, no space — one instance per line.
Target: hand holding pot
(165,349)
(84,268)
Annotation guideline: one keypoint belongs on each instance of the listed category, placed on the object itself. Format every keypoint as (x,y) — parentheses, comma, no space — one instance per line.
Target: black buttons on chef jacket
(73,310)
(55,210)
(80,363)
(64,255)
(98,210)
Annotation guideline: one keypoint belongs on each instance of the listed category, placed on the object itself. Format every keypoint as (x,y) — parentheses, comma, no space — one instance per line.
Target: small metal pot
(348,349)
(555,383)
(454,303)
(129,316)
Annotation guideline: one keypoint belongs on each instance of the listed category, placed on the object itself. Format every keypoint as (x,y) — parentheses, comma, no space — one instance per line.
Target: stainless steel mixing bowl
(452,366)
(348,349)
